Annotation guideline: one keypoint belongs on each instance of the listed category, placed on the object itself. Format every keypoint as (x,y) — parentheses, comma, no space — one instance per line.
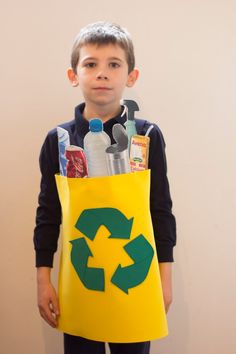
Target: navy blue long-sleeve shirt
(48,216)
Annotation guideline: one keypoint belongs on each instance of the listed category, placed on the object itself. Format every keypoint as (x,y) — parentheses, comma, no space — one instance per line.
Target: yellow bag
(109,282)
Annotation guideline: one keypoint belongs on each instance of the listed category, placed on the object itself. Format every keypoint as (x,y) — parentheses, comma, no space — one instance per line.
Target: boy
(102,65)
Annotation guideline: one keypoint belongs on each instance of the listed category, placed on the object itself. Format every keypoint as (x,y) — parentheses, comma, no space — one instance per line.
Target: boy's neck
(104,113)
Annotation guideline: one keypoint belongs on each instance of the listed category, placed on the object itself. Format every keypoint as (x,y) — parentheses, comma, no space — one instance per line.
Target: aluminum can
(63,142)
(117,160)
(76,162)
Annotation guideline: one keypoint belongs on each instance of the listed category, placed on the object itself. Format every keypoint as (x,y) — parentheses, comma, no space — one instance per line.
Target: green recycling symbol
(139,249)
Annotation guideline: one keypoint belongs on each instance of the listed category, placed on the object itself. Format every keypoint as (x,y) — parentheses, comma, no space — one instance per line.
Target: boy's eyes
(92,65)
(114,65)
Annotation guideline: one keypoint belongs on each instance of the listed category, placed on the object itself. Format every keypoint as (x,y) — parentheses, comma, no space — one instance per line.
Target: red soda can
(76,162)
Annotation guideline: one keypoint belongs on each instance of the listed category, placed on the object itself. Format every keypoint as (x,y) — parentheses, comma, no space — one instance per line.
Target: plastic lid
(96,125)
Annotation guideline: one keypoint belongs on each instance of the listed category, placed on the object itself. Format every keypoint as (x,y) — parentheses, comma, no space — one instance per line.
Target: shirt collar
(82,124)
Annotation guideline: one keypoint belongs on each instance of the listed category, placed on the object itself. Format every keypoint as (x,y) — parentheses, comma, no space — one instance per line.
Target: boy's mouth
(102,88)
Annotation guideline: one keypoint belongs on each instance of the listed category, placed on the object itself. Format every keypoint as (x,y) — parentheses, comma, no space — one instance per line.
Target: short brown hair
(101,33)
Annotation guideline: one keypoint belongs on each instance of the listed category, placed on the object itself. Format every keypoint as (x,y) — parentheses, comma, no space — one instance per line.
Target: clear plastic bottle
(95,143)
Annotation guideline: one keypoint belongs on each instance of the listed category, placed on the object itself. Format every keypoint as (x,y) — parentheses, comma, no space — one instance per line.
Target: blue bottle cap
(96,125)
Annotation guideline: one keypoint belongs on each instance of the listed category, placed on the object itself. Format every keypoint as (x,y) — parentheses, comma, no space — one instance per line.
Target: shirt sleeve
(48,214)
(164,224)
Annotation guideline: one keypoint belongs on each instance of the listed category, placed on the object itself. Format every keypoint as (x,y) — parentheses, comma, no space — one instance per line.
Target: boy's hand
(165,272)
(47,297)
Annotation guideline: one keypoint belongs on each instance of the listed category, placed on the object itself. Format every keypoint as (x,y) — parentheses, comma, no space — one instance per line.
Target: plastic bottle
(95,143)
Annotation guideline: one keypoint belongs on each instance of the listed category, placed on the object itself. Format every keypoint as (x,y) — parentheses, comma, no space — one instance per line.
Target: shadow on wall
(53,340)
(178,314)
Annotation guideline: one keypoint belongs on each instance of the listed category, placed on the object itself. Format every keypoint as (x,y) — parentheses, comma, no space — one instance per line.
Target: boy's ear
(72,77)
(132,77)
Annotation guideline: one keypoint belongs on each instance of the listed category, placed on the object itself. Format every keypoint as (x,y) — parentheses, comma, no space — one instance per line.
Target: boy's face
(102,74)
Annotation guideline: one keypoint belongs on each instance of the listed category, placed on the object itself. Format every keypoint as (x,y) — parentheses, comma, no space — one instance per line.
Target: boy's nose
(101,75)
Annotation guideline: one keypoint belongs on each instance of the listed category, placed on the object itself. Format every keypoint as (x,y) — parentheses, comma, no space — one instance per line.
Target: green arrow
(92,278)
(91,219)
(142,253)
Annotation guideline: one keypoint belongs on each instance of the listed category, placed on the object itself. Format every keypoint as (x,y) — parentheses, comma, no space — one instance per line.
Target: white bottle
(95,143)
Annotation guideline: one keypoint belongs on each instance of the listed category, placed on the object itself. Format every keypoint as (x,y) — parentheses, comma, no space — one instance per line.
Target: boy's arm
(163,220)
(47,297)
(48,215)
(46,233)
(164,225)
(166,281)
